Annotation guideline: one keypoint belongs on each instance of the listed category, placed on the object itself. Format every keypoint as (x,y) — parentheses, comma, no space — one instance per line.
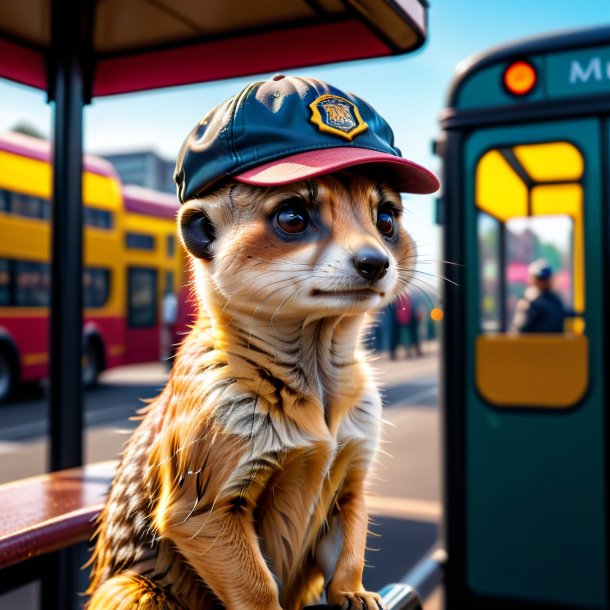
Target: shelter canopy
(133,45)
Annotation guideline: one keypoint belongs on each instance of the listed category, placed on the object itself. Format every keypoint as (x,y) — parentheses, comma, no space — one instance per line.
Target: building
(144,168)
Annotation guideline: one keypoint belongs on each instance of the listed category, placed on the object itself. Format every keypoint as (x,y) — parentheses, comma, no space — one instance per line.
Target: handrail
(418,583)
(415,586)
(428,573)
(397,596)
(43,514)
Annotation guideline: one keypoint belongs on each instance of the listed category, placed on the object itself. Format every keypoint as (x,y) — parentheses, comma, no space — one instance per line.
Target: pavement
(408,477)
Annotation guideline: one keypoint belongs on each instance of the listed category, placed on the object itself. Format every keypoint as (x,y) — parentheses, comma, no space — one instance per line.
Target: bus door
(535,504)
(142,335)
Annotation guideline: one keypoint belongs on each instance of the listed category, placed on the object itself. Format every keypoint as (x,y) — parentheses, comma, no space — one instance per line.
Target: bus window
(489,272)
(32,284)
(96,287)
(100,219)
(533,238)
(171,246)
(3,201)
(142,295)
(29,206)
(169,282)
(530,208)
(139,241)
(5,283)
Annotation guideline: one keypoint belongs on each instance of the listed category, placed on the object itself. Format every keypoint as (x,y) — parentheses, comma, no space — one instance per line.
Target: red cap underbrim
(402,174)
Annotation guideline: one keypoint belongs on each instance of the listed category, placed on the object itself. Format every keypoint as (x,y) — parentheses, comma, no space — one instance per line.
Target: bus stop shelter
(78,49)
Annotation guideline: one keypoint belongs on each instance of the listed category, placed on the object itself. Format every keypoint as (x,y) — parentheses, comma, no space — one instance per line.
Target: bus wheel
(8,375)
(92,365)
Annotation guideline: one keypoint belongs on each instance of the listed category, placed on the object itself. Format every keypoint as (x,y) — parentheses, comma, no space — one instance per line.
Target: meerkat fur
(245,480)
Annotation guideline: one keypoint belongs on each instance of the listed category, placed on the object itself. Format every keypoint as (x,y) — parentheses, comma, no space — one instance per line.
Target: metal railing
(415,586)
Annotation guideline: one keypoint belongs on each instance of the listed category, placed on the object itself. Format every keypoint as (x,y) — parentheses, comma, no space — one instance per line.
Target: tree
(28,130)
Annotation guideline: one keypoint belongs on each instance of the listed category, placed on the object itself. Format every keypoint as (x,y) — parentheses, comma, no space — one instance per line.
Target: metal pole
(66,399)
(61,584)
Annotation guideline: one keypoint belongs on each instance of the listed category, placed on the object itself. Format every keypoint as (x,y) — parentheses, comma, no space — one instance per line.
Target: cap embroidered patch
(336,115)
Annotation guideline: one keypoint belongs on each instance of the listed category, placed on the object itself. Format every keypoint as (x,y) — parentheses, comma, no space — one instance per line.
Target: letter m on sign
(582,74)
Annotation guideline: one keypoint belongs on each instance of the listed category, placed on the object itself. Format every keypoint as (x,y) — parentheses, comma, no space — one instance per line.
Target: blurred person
(413,327)
(168,329)
(540,310)
(407,315)
(396,314)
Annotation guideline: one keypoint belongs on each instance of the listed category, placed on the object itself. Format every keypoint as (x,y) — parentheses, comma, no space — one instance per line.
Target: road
(405,490)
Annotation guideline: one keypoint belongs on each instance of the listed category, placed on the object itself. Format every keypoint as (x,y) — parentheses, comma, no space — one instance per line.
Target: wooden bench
(50,512)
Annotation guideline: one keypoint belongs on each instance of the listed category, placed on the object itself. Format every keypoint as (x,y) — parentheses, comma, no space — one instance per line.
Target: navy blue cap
(540,269)
(288,129)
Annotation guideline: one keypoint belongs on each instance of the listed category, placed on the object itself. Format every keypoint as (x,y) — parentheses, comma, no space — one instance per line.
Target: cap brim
(402,174)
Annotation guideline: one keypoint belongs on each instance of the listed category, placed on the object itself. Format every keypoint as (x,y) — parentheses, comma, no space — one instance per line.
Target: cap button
(277,77)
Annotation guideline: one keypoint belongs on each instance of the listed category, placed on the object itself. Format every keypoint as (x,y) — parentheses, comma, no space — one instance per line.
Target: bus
(131,262)
(525,146)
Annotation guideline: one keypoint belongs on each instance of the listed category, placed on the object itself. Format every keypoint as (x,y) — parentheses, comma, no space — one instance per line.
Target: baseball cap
(540,269)
(290,128)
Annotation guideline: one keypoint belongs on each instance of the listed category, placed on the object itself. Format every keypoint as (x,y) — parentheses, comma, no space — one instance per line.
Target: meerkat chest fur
(277,432)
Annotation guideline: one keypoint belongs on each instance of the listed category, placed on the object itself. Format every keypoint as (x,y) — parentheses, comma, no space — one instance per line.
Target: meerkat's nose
(371,263)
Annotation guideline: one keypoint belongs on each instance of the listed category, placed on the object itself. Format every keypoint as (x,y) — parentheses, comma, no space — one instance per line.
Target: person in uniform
(540,310)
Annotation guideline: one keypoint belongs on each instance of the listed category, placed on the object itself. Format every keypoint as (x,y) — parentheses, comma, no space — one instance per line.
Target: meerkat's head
(292,207)
(320,246)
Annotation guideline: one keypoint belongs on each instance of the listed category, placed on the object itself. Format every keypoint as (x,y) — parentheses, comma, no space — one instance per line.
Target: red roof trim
(22,65)
(140,200)
(26,146)
(265,52)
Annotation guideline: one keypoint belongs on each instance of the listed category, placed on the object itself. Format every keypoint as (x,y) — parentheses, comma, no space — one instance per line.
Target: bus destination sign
(578,72)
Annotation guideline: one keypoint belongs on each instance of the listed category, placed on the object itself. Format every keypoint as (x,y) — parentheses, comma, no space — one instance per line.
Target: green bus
(525,146)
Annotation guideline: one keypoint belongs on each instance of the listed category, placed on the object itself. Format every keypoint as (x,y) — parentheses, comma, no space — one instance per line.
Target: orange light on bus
(520,78)
(436,314)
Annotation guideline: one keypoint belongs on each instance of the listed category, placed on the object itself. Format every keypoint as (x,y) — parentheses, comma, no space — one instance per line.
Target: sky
(408,91)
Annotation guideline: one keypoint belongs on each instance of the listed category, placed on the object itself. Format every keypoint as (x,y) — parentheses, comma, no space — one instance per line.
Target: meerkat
(244,485)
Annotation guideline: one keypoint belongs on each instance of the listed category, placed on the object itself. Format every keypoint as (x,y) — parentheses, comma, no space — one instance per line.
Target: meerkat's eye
(291,217)
(387,221)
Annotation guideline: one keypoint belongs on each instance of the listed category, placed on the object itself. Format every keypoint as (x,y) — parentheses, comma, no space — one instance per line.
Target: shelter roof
(133,45)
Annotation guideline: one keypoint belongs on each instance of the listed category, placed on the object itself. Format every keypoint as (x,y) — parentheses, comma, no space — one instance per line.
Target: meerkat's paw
(359,600)
(132,591)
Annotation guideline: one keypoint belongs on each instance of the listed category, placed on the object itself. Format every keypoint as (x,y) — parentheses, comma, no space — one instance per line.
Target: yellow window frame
(528,370)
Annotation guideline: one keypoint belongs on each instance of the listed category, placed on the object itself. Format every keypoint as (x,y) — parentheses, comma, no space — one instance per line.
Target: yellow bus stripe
(24,312)
(31,359)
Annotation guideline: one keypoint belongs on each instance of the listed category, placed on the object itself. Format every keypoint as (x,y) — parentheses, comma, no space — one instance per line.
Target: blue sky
(408,91)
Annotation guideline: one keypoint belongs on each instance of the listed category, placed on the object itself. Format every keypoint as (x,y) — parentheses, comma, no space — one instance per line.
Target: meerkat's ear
(198,233)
